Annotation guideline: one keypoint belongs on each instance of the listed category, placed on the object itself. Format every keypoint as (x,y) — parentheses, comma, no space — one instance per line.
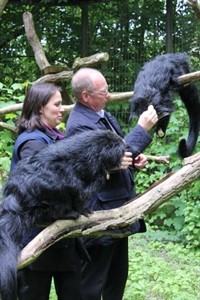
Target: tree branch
(33,40)
(65,75)
(90,61)
(98,222)
(2,6)
(161,159)
(195,6)
(7,126)
(190,77)
(17,107)
(10,108)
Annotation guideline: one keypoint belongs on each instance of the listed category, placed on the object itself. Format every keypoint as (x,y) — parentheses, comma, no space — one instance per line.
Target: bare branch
(7,126)
(190,77)
(120,96)
(2,6)
(65,75)
(195,7)
(160,159)
(33,40)
(10,108)
(114,97)
(90,61)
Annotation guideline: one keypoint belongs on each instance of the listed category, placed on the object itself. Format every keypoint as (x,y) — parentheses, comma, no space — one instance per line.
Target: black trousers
(38,285)
(105,276)
(63,265)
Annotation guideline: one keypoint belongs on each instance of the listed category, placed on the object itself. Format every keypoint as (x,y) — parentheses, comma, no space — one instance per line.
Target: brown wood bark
(33,40)
(187,78)
(2,6)
(90,61)
(65,75)
(195,6)
(7,126)
(114,98)
(101,221)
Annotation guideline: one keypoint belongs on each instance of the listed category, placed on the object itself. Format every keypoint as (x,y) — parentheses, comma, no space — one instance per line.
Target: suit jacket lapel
(114,123)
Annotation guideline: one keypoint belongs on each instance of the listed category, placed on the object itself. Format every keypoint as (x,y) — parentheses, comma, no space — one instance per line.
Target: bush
(159,271)
(8,96)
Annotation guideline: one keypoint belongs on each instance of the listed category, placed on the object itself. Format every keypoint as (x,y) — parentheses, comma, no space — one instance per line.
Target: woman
(42,111)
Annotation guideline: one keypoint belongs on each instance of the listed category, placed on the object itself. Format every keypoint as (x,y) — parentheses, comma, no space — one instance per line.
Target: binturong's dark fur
(50,185)
(155,84)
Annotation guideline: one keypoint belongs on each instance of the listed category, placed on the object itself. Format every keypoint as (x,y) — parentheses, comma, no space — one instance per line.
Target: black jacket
(120,188)
(65,254)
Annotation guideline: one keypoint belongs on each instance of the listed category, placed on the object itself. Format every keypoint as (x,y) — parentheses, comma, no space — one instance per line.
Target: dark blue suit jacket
(120,187)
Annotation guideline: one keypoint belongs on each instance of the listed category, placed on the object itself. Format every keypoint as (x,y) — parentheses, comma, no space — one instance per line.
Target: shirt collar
(101,113)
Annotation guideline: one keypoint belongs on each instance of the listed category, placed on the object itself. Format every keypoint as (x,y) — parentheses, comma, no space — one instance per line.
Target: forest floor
(160,270)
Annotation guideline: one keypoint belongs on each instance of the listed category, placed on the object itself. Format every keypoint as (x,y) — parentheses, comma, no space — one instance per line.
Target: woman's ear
(41,110)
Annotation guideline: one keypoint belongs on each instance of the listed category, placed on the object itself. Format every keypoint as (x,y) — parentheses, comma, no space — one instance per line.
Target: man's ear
(85,96)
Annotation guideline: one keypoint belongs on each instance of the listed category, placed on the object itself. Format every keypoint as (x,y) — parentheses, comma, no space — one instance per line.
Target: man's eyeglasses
(103,93)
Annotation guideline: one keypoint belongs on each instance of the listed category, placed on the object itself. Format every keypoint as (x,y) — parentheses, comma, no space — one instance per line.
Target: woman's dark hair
(36,97)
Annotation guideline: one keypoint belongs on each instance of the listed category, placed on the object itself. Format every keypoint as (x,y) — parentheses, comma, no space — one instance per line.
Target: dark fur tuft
(50,185)
(155,84)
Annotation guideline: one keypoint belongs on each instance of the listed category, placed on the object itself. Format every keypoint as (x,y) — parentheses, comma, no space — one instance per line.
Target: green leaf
(16,86)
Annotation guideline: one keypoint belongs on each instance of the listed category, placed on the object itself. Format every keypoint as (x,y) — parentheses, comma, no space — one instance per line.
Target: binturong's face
(51,114)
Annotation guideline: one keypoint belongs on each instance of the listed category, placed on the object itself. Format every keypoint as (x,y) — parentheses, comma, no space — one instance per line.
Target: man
(105,276)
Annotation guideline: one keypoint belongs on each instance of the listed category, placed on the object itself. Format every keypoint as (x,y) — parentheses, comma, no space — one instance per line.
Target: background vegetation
(165,261)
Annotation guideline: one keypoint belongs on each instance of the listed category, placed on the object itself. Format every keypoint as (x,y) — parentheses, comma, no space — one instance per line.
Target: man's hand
(140,161)
(148,118)
(127,160)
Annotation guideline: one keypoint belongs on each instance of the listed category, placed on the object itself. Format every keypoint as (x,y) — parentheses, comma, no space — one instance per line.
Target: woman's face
(51,114)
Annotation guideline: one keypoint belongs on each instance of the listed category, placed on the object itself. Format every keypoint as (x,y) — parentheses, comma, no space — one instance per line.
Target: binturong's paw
(86,212)
(72,215)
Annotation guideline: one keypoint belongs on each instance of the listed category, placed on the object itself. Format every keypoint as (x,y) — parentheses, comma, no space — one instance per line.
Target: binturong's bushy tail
(190,97)
(10,237)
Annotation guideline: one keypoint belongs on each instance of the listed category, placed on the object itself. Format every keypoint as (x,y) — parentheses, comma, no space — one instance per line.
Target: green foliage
(179,217)
(9,95)
(12,94)
(160,271)
(131,32)
(191,227)
(6,143)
